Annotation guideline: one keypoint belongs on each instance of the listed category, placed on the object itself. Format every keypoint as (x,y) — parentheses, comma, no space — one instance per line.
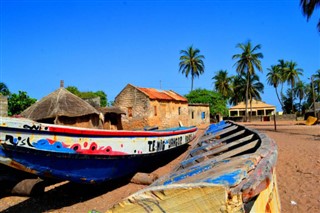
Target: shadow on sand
(67,193)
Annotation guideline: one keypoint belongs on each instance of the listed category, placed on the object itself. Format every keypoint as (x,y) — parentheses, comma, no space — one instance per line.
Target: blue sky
(104,45)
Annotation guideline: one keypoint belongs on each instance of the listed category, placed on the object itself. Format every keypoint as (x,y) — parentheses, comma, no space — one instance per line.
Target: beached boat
(229,169)
(85,155)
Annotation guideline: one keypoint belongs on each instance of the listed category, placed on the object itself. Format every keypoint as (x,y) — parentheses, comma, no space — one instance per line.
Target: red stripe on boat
(123,133)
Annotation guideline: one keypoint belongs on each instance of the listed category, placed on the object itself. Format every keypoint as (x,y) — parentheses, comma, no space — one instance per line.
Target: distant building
(259,108)
(198,114)
(3,105)
(148,107)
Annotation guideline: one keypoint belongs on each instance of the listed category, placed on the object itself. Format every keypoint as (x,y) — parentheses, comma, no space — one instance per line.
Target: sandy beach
(298,178)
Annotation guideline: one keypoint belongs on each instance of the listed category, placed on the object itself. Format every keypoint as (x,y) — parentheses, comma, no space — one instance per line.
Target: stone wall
(148,113)
(134,103)
(198,114)
(3,105)
(167,114)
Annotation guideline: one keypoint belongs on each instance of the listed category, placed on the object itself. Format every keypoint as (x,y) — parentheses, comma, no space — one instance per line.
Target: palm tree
(308,7)
(238,86)
(191,63)
(222,83)
(283,66)
(246,63)
(274,78)
(300,92)
(316,82)
(4,89)
(255,88)
(292,76)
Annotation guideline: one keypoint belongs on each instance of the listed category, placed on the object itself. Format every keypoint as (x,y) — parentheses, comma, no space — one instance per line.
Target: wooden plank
(268,199)
(180,198)
(206,167)
(192,160)
(217,142)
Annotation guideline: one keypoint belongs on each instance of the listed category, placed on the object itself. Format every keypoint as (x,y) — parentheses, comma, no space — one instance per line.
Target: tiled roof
(167,95)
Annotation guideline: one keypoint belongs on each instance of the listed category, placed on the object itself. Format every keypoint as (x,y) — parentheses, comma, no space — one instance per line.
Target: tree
(292,74)
(308,7)
(254,90)
(316,82)
(19,102)
(274,78)
(89,94)
(191,63)
(246,63)
(222,83)
(299,92)
(283,66)
(288,102)
(218,105)
(4,90)
(238,90)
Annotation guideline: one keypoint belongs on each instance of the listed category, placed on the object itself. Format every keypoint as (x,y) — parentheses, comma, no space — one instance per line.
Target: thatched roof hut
(63,107)
(112,117)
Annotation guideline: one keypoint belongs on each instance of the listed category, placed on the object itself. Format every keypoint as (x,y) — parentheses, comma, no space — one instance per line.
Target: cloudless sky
(104,45)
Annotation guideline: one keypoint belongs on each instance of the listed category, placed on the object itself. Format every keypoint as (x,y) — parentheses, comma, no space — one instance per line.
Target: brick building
(151,107)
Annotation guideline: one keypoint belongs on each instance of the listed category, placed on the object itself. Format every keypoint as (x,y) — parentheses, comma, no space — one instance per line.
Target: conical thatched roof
(59,103)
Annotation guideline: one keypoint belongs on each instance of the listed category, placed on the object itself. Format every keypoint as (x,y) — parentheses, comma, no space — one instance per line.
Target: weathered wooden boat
(85,155)
(229,169)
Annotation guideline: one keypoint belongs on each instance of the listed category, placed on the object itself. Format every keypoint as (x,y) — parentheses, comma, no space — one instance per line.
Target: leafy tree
(246,63)
(89,94)
(103,97)
(19,102)
(191,62)
(274,78)
(222,83)
(292,74)
(308,7)
(74,90)
(217,103)
(4,90)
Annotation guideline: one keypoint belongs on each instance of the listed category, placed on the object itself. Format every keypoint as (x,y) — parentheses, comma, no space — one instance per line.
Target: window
(179,110)
(192,115)
(129,112)
(203,115)
(155,110)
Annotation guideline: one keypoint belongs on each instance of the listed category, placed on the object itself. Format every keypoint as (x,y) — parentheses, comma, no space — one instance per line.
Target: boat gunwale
(83,132)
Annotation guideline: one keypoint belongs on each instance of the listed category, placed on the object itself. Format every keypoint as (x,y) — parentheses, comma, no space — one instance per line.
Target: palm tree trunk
(292,98)
(250,109)
(247,97)
(191,82)
(279,98)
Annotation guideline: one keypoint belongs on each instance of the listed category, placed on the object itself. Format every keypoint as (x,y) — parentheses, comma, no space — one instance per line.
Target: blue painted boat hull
(87,168)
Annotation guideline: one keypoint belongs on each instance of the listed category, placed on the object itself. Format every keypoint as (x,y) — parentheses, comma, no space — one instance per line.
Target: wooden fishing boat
(85,155)
(229,169)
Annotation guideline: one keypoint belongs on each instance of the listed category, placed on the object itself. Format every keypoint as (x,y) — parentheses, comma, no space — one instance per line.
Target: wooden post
(274,121)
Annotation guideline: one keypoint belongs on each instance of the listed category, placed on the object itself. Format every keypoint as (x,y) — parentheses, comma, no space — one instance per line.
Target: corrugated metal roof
(167,95)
